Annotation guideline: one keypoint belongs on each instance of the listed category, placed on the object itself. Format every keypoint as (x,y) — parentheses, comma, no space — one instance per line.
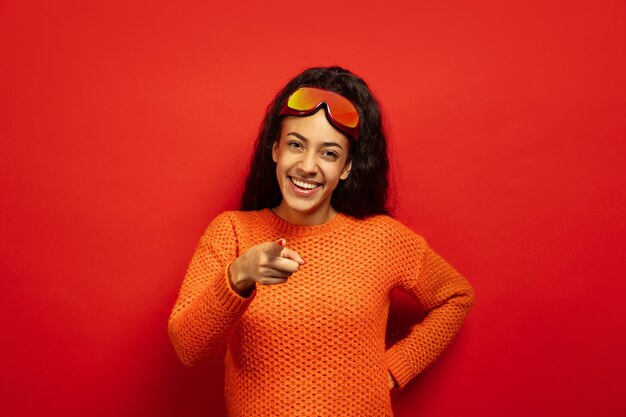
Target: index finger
(293,255)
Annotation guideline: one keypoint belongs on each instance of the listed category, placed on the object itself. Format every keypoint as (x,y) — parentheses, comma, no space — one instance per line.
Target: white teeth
(304,185)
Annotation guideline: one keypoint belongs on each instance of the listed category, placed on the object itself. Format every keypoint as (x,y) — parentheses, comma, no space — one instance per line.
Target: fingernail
(281,242)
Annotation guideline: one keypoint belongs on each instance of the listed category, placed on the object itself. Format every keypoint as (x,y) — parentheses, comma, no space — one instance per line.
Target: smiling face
(311,158)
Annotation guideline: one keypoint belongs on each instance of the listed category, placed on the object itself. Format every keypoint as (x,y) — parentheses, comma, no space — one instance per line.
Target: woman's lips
(300,187)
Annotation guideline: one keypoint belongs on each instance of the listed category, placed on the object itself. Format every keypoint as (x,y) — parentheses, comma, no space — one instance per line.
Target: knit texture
(315,345)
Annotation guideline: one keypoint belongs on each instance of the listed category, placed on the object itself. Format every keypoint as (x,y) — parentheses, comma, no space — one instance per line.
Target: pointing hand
(268,263)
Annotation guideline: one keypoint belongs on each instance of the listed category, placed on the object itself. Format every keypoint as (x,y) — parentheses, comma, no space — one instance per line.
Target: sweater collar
(276,222)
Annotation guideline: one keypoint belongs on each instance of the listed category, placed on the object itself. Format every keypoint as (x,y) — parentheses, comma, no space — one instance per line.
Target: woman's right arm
(207,307)
(218,287)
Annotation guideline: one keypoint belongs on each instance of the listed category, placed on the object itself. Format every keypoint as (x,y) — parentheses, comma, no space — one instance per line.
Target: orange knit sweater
(315,345)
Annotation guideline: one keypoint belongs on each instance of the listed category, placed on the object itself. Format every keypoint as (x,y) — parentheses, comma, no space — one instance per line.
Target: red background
(126,127)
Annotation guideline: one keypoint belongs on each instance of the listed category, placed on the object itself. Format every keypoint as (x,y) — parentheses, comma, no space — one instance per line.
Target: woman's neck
(304,219)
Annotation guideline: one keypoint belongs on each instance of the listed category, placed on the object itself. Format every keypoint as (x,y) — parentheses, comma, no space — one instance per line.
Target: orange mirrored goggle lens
(340,109)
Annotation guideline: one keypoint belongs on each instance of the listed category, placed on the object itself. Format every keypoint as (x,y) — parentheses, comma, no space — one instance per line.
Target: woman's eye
(331,154)
(294,144)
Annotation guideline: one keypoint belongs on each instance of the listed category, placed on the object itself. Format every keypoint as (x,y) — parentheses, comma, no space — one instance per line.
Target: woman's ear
(275,151)
(346,170)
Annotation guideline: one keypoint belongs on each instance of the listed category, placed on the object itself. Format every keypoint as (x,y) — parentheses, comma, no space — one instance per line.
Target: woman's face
(311,157)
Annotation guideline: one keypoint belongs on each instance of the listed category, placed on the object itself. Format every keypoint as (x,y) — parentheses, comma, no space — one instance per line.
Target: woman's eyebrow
(299,136)
(302,138)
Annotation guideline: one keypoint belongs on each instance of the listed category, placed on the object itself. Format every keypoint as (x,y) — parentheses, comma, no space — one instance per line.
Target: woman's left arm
(447,298)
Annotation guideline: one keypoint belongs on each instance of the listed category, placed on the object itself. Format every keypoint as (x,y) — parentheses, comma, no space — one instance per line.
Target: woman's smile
(304,187)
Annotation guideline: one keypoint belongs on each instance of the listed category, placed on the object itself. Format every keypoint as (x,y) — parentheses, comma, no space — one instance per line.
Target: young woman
(295,287)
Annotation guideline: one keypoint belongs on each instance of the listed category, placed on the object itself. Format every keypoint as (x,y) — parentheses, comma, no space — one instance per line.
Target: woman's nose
(308,164)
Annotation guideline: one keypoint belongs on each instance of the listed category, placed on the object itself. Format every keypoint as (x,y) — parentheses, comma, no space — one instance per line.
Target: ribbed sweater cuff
(232,301)
(398,367)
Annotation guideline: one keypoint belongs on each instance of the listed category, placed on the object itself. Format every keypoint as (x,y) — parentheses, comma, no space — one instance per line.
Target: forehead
(315,128)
